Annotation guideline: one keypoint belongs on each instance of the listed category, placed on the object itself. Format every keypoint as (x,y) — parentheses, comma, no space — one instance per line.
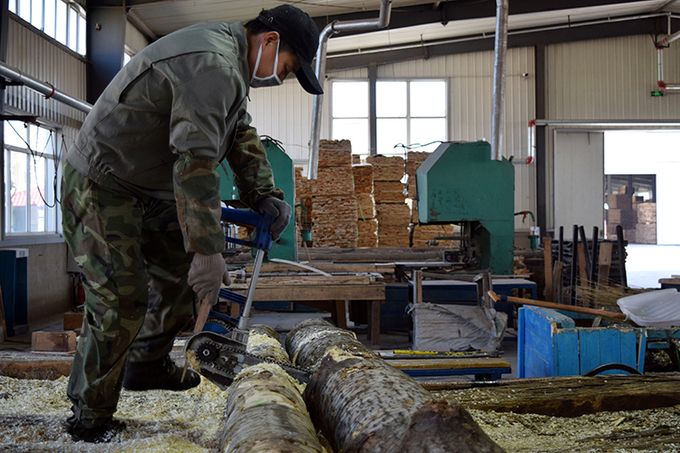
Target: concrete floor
(646,264)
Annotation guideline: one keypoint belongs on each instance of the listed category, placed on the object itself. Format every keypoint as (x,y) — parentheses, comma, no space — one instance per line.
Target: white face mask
(271,80)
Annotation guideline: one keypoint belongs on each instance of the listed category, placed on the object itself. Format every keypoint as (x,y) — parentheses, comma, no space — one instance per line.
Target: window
(31,167)
(63,21)
(408,112)
(350,114)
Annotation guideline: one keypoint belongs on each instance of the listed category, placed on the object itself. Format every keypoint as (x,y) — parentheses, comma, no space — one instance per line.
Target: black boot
(100,433)
(159,374)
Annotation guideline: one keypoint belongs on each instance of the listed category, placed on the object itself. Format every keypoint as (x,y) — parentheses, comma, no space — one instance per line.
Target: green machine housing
(284,178)
(460,184)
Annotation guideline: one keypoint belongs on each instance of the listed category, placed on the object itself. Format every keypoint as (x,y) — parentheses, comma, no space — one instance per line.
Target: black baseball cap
(300,32)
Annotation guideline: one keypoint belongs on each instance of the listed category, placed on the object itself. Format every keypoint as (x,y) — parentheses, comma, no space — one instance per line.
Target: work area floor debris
(33,412)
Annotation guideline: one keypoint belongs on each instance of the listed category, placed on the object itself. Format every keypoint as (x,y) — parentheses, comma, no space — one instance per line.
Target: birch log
(363,405)
(265,408)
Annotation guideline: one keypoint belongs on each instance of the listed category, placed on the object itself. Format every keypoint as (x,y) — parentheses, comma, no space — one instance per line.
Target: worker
(141,200)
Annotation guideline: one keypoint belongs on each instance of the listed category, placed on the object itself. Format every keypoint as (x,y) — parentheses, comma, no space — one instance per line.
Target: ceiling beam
(409,16)
(654,25)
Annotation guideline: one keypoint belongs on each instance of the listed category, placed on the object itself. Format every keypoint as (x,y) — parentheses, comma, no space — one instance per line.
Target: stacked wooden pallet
(645,228)
(392,212)
(367,225)
(334,205)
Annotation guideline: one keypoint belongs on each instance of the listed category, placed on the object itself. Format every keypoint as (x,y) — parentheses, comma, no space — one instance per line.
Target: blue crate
(550,344)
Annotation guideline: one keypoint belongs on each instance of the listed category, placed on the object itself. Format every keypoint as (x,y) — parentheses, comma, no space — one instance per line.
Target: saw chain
(220,359)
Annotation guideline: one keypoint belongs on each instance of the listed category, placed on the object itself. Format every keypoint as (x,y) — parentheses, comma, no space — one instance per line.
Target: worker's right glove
(206,275)
(278,209)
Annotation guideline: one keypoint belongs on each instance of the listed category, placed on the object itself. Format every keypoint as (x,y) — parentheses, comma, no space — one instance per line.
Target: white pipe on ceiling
(500,51)
(332,29)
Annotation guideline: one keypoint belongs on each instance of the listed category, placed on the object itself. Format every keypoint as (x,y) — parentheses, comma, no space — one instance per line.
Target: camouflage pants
(131,253)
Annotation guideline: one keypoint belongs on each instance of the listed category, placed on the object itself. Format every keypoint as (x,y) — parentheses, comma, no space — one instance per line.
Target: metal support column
(541,139)
(4,24)
(372,110)
(105,44)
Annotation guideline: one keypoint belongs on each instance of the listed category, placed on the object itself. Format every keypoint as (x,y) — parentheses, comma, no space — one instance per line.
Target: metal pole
(48,90)
(500,46)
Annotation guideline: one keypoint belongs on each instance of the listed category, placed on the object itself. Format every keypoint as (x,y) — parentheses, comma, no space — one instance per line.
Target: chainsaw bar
(220,359)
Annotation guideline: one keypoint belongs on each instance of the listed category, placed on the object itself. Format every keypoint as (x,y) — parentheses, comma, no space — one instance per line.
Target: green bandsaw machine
(284,178)
(460,184)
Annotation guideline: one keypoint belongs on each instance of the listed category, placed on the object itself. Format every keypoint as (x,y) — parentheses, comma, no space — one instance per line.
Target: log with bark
(363,405)
(265,408)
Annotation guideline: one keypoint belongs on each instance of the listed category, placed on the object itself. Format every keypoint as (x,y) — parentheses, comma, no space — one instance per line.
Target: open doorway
(642,195)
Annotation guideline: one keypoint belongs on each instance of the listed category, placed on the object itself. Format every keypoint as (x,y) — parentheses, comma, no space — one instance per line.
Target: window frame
(52,159)
(408,118)
(70,29)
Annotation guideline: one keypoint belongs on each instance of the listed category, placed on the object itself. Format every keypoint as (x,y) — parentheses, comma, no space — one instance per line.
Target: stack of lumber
(422,234)
(392,212)
(645,229)
(303,199)
(367,225)
(334,205)
(413,161)
(621,212)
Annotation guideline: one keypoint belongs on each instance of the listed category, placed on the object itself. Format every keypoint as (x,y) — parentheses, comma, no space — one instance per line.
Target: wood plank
(449,364)
(322,266)
(340,315)
(315,292)
(582,265)
(604,264)
(49,369)
(566,396)
(54,341)
(557,281)
(548,269)
(313,280)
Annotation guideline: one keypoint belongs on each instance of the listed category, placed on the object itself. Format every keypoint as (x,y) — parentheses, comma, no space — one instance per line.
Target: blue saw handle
(261,223)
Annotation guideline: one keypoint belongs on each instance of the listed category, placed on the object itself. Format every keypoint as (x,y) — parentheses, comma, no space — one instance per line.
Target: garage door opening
(642,194)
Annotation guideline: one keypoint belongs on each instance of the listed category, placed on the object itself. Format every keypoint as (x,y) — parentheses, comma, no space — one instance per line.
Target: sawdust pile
(32,415)
(652,430)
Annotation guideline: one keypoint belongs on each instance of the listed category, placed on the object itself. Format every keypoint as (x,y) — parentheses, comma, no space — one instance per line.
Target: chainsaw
(219,348)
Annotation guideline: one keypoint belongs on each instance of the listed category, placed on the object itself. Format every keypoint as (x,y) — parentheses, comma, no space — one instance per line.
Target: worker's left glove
(206,275)
(278,209)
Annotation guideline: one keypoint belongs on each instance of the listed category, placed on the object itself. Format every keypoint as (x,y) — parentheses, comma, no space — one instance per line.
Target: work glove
(278,209)
(206,275)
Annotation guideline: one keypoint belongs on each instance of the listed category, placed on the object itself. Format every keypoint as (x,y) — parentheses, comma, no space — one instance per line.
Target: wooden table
(325,293)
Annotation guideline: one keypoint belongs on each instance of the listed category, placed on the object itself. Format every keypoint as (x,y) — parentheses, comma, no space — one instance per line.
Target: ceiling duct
(329,30)
(500,51)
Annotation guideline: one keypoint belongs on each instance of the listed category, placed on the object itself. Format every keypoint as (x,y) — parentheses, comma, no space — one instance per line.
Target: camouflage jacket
(168,118)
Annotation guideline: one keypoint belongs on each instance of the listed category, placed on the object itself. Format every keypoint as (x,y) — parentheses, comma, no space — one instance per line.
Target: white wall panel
(134,38)
(38,56)
(610,79)
(285,113)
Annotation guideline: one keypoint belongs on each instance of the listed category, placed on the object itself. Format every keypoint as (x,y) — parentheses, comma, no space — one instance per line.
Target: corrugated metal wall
(610,79)
(606,79)
(134,38)
(36,55)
